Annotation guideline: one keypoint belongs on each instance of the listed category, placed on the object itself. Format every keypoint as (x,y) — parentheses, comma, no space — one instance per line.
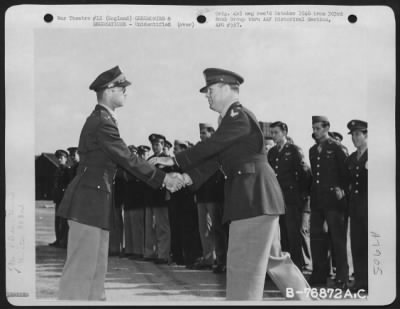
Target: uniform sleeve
(111,143)
(341,157)
(235,125)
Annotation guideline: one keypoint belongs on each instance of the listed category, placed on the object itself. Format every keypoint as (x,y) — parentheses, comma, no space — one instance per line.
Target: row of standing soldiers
(186,228)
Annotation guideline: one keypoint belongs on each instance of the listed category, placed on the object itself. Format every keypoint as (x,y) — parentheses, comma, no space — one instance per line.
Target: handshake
(172,181)
(175,181)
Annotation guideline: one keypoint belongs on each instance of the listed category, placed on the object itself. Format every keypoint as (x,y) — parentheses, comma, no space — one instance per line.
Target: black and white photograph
(213,155)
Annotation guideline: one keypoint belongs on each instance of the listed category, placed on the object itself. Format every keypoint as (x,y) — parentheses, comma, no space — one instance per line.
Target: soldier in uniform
(158,210)
(134,206)
(74,155)
(210,207)
(61,181)
(328,205)
(253,198)
(185,238)
(87,201)
(287,160)
(167,148)
(357,166)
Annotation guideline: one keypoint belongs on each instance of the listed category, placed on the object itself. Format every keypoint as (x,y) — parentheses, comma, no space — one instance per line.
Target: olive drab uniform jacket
(328,172)
(88,198)
(237,147)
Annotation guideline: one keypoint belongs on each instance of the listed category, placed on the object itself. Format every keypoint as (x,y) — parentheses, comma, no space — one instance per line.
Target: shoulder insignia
(234,113)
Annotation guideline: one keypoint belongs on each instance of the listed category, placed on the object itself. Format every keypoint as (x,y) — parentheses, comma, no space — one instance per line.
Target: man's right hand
(174,182)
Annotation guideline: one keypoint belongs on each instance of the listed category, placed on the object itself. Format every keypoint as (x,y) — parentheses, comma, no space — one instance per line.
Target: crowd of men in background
(185,227)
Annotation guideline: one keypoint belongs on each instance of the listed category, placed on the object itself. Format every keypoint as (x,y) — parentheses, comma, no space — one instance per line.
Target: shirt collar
(112,113)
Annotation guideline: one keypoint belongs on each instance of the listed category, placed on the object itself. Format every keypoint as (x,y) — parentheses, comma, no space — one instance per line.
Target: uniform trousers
(134,231)
(212,234)
(150,240)
(320,240)
(86,265)
(116,231)
(359,242)
(254,248)
(163,232)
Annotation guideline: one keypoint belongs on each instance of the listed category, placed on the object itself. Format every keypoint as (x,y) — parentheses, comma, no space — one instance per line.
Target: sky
(290,73)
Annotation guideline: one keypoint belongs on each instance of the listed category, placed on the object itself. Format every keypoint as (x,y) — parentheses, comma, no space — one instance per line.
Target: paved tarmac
(129,281)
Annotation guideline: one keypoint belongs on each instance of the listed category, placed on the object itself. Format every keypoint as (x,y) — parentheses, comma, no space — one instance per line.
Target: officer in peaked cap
(357,166)
(157,138)
(167,147)
(143,150)
(214,76)
(87,202)
(253,198)
(328,204)
(357,125)
(110,79)
(337,136)
(61,181)
(133,149)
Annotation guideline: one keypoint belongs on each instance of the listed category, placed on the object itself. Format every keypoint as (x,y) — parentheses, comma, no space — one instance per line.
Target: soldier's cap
(205,126)
(181,143)
(155,138)
(72,150)
(336,135)
(168,144)
(109,79)
(214,76)
(357,125)
(143,148)
(190,144)
(316,119)
(132,148)
(61,152)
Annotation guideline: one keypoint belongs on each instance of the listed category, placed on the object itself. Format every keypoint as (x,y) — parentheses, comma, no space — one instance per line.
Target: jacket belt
(243,166)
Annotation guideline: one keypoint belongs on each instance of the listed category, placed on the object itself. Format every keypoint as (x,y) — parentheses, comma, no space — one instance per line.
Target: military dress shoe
(54,244)
(201,264)
(341,284)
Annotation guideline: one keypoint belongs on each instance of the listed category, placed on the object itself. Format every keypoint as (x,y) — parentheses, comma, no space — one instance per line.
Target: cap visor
(204,89)
(125,84)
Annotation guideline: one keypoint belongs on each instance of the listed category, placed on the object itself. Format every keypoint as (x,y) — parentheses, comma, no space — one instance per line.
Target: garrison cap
(181,143)
(143,148)
(155,138)
(205,126)
(319,119)
(266,129)
(168,144)
(214,76)
(108,79)
(357,125)
(60,153)
(72,150)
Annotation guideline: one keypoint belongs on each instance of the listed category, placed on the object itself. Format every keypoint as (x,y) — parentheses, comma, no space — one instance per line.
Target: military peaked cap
(336,135)
(155,138)
(72,150)
(355,125)
(143,148)
(109,79)
(214,76)
(181,143)
(168,144)
(205,126)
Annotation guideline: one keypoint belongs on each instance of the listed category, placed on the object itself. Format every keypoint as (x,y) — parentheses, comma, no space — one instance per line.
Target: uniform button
(276,174)
(239,172)
(318,158)
(226,177)
(317,173)
(317,165)
(98,187)
(277,159)
(317,181)
(356,167)
(356,192)
(276,166)
(357,175)
(356,183)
